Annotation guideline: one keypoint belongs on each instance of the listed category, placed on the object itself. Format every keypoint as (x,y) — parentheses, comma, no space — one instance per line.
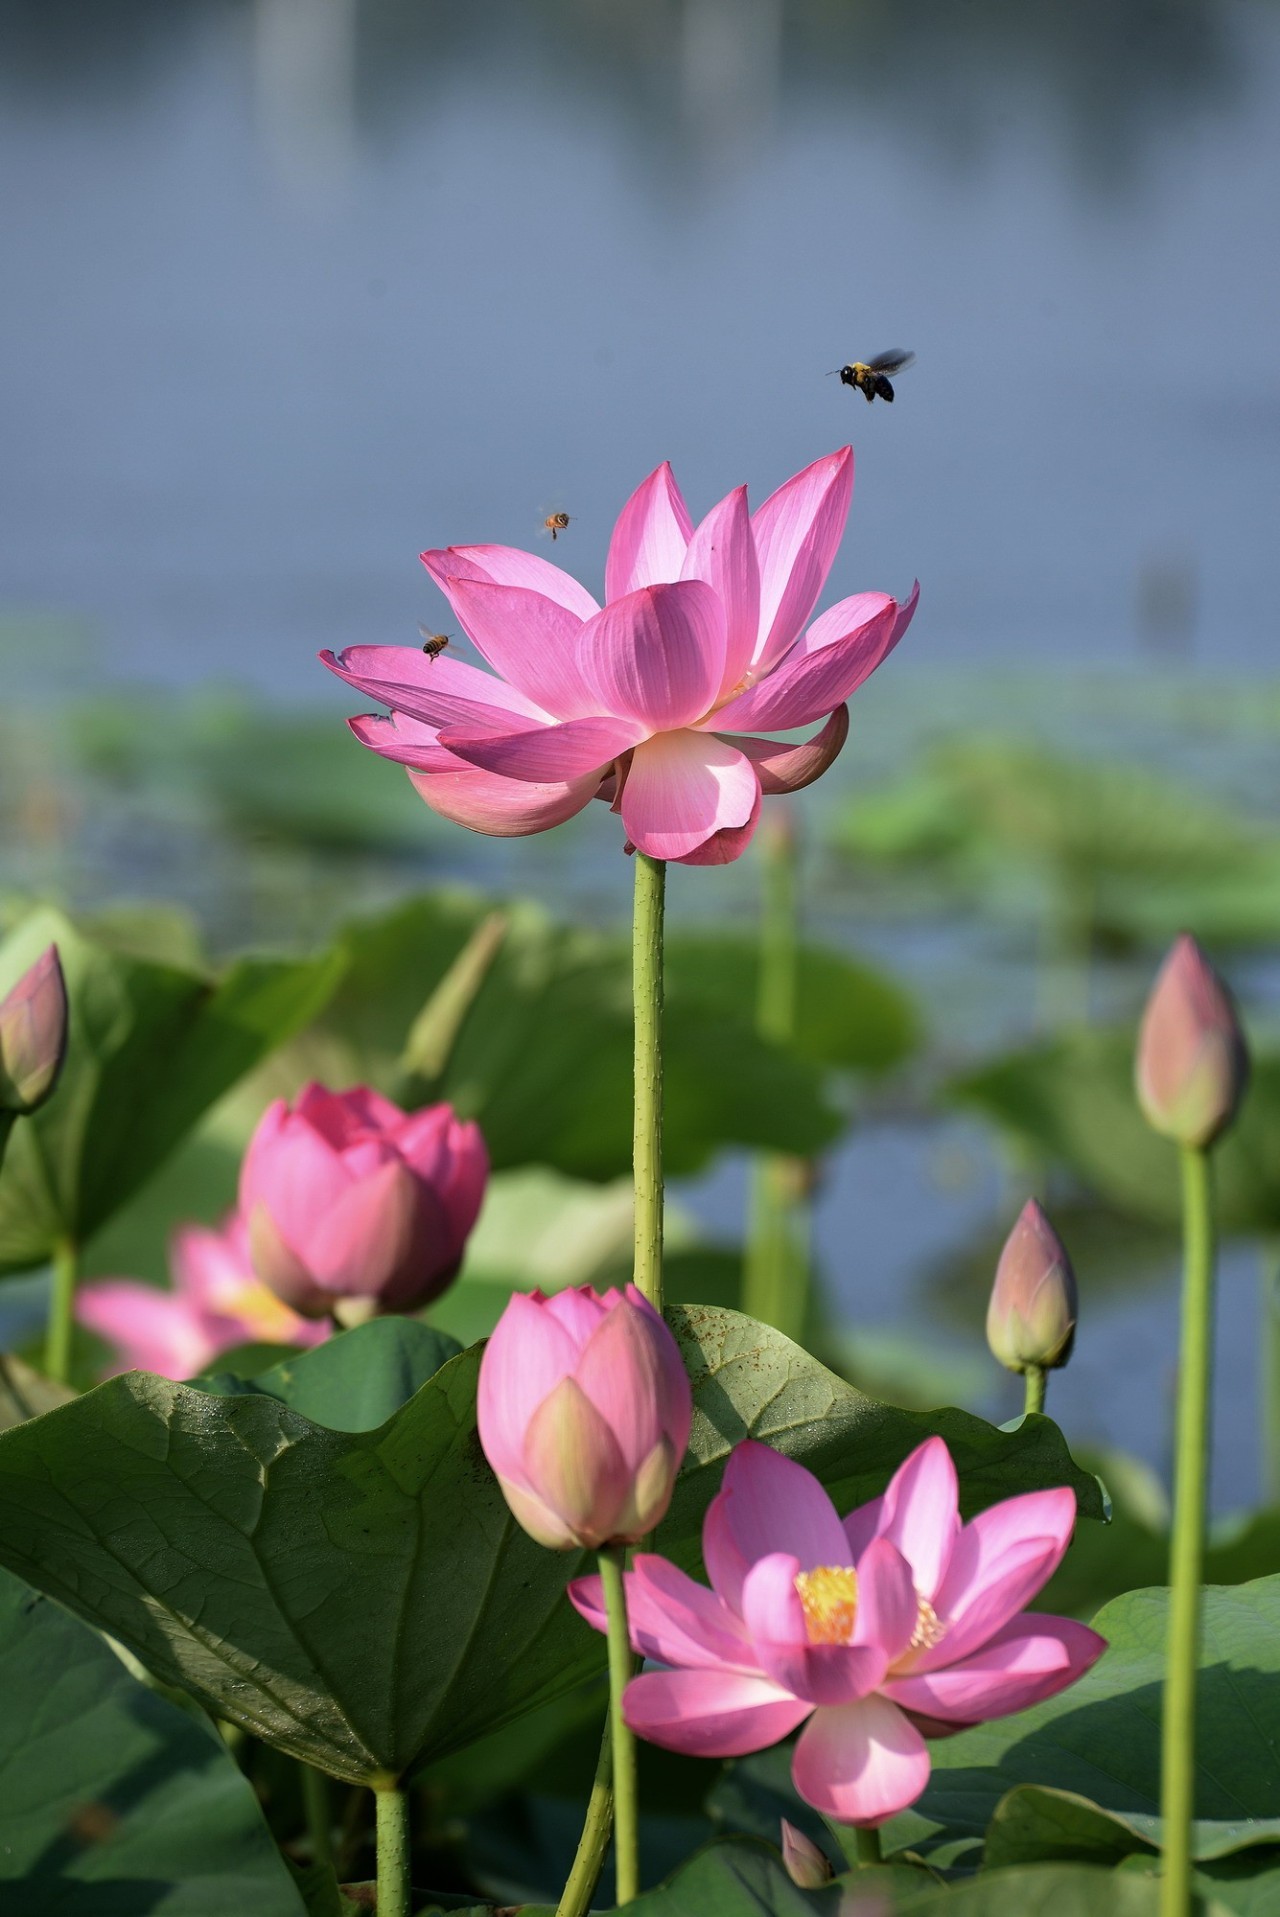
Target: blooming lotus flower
(653,701)
(897,1624)
(33,1034)
(216,1303)
(348,1197)
(1192,1065)
(1031,1319)
(584,1407)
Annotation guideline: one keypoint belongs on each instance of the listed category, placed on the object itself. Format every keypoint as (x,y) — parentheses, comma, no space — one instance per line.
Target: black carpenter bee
(871,377)
(433,643)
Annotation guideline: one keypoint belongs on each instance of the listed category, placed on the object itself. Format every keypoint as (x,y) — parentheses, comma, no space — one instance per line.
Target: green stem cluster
(626,1850)
(597,1829)
(1191,1479)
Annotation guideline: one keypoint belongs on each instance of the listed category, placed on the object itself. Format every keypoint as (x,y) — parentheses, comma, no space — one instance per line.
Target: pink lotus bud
(33,1035)
(807,1866)
(584,1411)
(1031,1319)
(347,1196)
(1192,1065)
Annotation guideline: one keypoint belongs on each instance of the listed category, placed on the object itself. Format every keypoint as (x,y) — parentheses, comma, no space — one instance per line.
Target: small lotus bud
(33,1035)
(1031,1319)
(807,1866)
(1192,1066)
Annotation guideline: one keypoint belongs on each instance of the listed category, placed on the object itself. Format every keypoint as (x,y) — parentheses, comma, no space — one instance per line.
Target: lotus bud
(345,1196)
(1192,1066)
(33,1035)
(584,1410)
(807,1866)
(1031,1320)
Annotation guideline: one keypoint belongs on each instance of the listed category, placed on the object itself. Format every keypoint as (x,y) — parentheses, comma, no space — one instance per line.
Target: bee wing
(893,362)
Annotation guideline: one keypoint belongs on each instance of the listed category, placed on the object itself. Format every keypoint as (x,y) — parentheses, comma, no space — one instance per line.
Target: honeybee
(871,377)
(555,523)
(433,643)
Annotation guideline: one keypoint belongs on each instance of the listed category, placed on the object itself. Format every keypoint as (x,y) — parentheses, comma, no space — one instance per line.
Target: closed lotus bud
(33,1035)
(345,1196)
(1192,1065)
(1031,1319)
(807,1866)
(584,1409)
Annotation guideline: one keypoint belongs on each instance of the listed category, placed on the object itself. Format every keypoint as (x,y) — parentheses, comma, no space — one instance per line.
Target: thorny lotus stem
(626,1857)
(395,1880)
(867,1844)
(646,989)
(1036,1379)
(775,1278)
(315,1803)
(597,1829)
(62,1306)
(1191,1476)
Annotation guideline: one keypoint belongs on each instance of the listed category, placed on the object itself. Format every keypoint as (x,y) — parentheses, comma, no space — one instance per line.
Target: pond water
(297,287)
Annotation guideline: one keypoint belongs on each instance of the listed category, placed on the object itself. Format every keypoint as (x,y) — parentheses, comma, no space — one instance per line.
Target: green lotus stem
(395,1878)
(1191,1478)
(1036,1380)
(597,1829)
(867,1845)
(315,1803)
(626,1853)
(646,988)
(62,1307)
(1269,1301)
(776,1269)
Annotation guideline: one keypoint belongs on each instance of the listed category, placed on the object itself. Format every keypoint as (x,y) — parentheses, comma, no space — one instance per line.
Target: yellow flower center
(829,1599)
(928,1627)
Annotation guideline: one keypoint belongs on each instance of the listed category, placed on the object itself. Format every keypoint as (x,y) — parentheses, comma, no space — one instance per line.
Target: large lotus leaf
(1101,1738)
(363,1600)
(1072,1101)
(543,1058)
(113,1800)
(151,1047)
(353,1382)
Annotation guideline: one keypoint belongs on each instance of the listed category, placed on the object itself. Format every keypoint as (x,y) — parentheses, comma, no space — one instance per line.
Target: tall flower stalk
(1191,1072)
(646,989)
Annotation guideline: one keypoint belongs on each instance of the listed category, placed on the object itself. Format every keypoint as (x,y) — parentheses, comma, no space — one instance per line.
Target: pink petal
(403,740)
(209,1266)
(1032,1658)
(577,1310)
(530,640)
(860,1764)
(710,1713)
(378,1238)
(805,685)
(153,1330)
(656,657)
(789,768)
(774,1616)
(293,1172)
(862,1526)
(576,749)
(921,1513)
(723,847)
(673,1620)
(508,566)
(649,540)
(523,1362)
(683,787)
(797,532)
(440,692)
(500,808)
(675,1395)
(767,1503)
(620,1372)
(999,1561)
(723,552)
(887,1611)
(574,1465)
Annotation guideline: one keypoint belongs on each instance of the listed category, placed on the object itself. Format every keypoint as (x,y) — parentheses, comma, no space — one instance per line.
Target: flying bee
(555,524)
(871,377)
(433,643)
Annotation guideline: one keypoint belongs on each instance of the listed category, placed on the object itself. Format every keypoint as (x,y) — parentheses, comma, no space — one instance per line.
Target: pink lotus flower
(653,701)
(216,1304)
(584,1407)
(896,1625)
(347,1196)
(1192,1067)
(1031,1319)
(33,1034)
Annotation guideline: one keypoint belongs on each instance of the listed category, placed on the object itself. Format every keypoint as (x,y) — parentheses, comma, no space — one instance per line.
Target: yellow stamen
(929,1629)
(829,1599)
